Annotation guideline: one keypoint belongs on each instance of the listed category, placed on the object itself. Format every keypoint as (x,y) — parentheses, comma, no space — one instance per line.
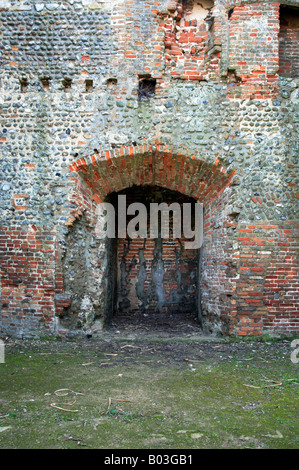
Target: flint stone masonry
(220,126)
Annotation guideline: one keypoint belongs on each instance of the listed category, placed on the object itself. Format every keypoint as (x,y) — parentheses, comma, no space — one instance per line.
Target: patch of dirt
(138,343)
(159,325)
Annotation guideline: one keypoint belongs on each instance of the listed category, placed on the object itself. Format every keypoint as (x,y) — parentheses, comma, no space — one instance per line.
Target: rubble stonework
(193,99)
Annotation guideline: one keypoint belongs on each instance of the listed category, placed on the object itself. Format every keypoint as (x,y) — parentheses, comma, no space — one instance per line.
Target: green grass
(148,397)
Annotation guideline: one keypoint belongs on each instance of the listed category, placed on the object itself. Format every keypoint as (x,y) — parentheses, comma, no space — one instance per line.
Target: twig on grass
(67,390)
(63,409)
(114,399)
(119,399)
(270,380)
(263,386)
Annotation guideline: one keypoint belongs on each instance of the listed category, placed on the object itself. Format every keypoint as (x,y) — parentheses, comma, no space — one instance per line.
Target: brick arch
(161,165)
(205,179)
(289,3)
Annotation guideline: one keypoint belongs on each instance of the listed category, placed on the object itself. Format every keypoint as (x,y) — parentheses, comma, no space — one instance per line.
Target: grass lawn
(111,392)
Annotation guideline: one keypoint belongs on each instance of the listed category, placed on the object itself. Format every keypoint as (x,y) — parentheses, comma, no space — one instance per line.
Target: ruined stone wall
(196,97)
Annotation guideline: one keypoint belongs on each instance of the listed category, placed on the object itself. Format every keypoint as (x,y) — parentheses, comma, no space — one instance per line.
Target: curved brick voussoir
(113,170)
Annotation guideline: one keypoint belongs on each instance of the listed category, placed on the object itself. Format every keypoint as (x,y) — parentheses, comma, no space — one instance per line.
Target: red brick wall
(253,49)
(191,41)
(27,278)
(281,281)
(267,288)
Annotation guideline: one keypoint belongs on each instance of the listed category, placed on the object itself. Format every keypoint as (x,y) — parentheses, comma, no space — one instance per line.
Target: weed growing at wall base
(295,352)
(2,352)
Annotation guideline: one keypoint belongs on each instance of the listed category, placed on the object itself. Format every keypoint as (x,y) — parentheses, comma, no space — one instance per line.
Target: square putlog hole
(146,88)
(88,85)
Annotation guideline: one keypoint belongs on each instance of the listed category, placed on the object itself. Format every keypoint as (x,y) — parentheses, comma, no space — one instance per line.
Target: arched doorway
(152,277)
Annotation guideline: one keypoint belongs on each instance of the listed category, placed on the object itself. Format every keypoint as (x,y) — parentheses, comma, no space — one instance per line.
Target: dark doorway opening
(288,42)
(152,283)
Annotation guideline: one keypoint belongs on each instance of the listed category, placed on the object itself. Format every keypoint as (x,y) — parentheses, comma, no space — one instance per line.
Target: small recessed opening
(67,83)
(232,76)
(111,81)
(45,83)
(146,88)
(88,85)
(23,84)
(230,12)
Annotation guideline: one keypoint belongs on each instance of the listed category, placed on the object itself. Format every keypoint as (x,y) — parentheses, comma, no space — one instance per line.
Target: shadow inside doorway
(159,325)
